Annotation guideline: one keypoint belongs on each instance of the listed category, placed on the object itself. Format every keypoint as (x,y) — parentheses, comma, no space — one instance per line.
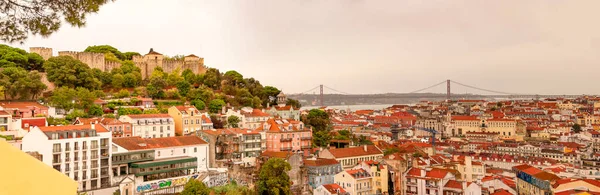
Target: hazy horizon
(360,46)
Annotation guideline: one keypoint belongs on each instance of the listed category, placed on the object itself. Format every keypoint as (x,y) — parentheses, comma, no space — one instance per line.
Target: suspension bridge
(319,94)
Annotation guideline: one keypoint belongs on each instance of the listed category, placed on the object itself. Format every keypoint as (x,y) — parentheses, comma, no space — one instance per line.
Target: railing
(431,186)
(94,146)
(252,140)
(76,148)
(85,147)
(104,146)
(68,149)
(306,147)
(411,192)
(67,160)
(104,155)
(411,183)
(286,149)
(306,138)
(56,150)
(285,139)
(56,161)
(94,166)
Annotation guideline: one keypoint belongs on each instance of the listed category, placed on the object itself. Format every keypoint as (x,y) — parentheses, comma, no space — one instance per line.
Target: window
(195,150)
(168,128)
(158,153)
(185,122)
(184,150)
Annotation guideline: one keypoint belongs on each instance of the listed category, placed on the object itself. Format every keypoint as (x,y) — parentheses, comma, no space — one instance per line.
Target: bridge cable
(307,91)
(416,91)
(486,90)
(344,93)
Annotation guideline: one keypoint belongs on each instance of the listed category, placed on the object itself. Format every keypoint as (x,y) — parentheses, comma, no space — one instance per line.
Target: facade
(24,109)
(138,163)
(355,181)
(426,181)
(380,173)
(321,171)
(506,128)
(249,118)
(286,135)
(82,152)
(349,157)
(282,110)
(117,127)
(187,119)
(330,189)
(533,181)
(233,145)
(150,125)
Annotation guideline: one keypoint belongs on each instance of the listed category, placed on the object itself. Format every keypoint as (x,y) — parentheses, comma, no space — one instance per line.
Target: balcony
(251,149)
(252,141)
(411,183)
(285,140)
(154,167)
(431,186)
(411,192)
(286,149)
(104,155)
(67,149)
(306,138)
(104,146)
(76,148)
(129,157)
(306,147)
(56,150)
(56,161)
(94,147)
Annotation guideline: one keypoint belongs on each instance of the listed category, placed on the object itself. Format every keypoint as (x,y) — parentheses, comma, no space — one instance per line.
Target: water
(352,107)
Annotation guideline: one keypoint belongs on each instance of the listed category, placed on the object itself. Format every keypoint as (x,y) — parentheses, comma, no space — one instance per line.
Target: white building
(355,181)
(139,163)
(150,125)
(81,152)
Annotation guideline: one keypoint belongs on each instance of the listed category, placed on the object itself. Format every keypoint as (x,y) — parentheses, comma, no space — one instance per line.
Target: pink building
(24,109)
(286,135)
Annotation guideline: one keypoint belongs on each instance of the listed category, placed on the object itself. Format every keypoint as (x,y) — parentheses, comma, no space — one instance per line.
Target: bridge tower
(448,90)
(321,94)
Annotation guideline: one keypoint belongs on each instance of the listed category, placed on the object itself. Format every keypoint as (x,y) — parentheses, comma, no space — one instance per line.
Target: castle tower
(153,59)
(42,51)
(281,99)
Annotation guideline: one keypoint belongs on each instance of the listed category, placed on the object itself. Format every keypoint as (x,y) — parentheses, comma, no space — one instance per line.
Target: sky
(363,46)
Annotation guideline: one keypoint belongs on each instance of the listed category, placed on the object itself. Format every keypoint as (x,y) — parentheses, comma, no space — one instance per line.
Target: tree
(85,98)
(195,187)
(273,177)
(362,140)
(294,103)
(576,128)
(343,135)
(123,93)
(67,71)
(317,119)
(189,76)
(390,151)
(212,78)
(129,55)
(117,81)
(106,49)
(63,98)
(217,123)
(95,110)
(269,91)
(215,105)
(233,121)
(321,138)
(174,77)
(18,83)
(199,104)
(234,78)
(21,18)
(74,114)
(183,87)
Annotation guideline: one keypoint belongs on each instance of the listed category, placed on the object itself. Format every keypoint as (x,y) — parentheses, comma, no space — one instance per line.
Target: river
(352,107)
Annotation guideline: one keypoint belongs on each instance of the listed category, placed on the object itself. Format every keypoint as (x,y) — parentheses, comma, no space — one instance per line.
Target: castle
(146,63)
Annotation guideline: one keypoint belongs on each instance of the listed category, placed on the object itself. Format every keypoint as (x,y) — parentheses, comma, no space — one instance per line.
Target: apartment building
(350,157)
(150,125)
(426,181)
(533,181)
(282,110)
(330,189)
(173,160)
(24,109)
(355,181)
(237,145)
(380,173)
(321,171)
(116,127)
(249,118)
(81,152)
(187,119)
(505,128)
(286,135)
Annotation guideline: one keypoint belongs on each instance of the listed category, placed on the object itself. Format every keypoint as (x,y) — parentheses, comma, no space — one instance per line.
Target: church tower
(281,99)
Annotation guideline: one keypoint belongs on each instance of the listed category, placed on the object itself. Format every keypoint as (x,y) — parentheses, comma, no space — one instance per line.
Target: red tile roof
(416,172)
(464,118)
(320,162)
(98,128)
(27,123)
(138,143)
(334,188)
(501,192)
(149,116)
(453,184)
(22,105)
(356,151)
(436,173)
(273,154)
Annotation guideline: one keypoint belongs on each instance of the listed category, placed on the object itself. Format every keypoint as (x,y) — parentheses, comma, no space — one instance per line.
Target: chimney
(93,126)
(365,147)
(464,185)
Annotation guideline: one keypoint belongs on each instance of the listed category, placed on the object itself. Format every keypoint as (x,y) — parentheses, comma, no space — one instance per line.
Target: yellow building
(187,119)
(23,174)
(355,181)
(379,172)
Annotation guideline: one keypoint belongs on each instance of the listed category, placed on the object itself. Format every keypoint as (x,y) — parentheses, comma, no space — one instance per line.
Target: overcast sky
(364,46)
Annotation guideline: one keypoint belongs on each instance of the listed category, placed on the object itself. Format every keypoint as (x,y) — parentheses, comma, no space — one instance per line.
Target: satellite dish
(409,133)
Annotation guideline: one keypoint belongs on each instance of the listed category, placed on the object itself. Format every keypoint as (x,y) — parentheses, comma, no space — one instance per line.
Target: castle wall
(42,51)
(49,84)
(93,60)
(109,65)
(171,65)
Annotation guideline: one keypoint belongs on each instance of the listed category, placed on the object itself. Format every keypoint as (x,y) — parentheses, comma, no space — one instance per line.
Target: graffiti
(166,183)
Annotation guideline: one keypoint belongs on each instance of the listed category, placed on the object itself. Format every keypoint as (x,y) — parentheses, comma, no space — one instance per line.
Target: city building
(282,110)
(426,181)
(233,146)
(187,119)
(355,181)
(349,157)
(117,127)
(249,118)
(139,163)
(379,173)
(533,181)
(321,171)
(24,109)
(286,135)
(150,125)
(82,152)
(330,189)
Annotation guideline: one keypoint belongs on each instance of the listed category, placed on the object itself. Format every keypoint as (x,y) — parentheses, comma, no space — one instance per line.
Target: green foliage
(417,155)
(273,177)
(109,116)
(390,151)
(106,49)
(234,78)
(195,187)
(20,84)
(95,110)
(189,76)
(233,189)
(199,104)
(123,93)
(117,81)
(318,120)
(576,128)
(215,105)
(321,138)
(129,55)
(151,111)
(127,111)
(183,87)
(57,121)
(212,78)
(343,135)
(233,121)
(63,98)
(74,114)
(294,103)
(363,140)
(217,122)
(269,91)
(67,71)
